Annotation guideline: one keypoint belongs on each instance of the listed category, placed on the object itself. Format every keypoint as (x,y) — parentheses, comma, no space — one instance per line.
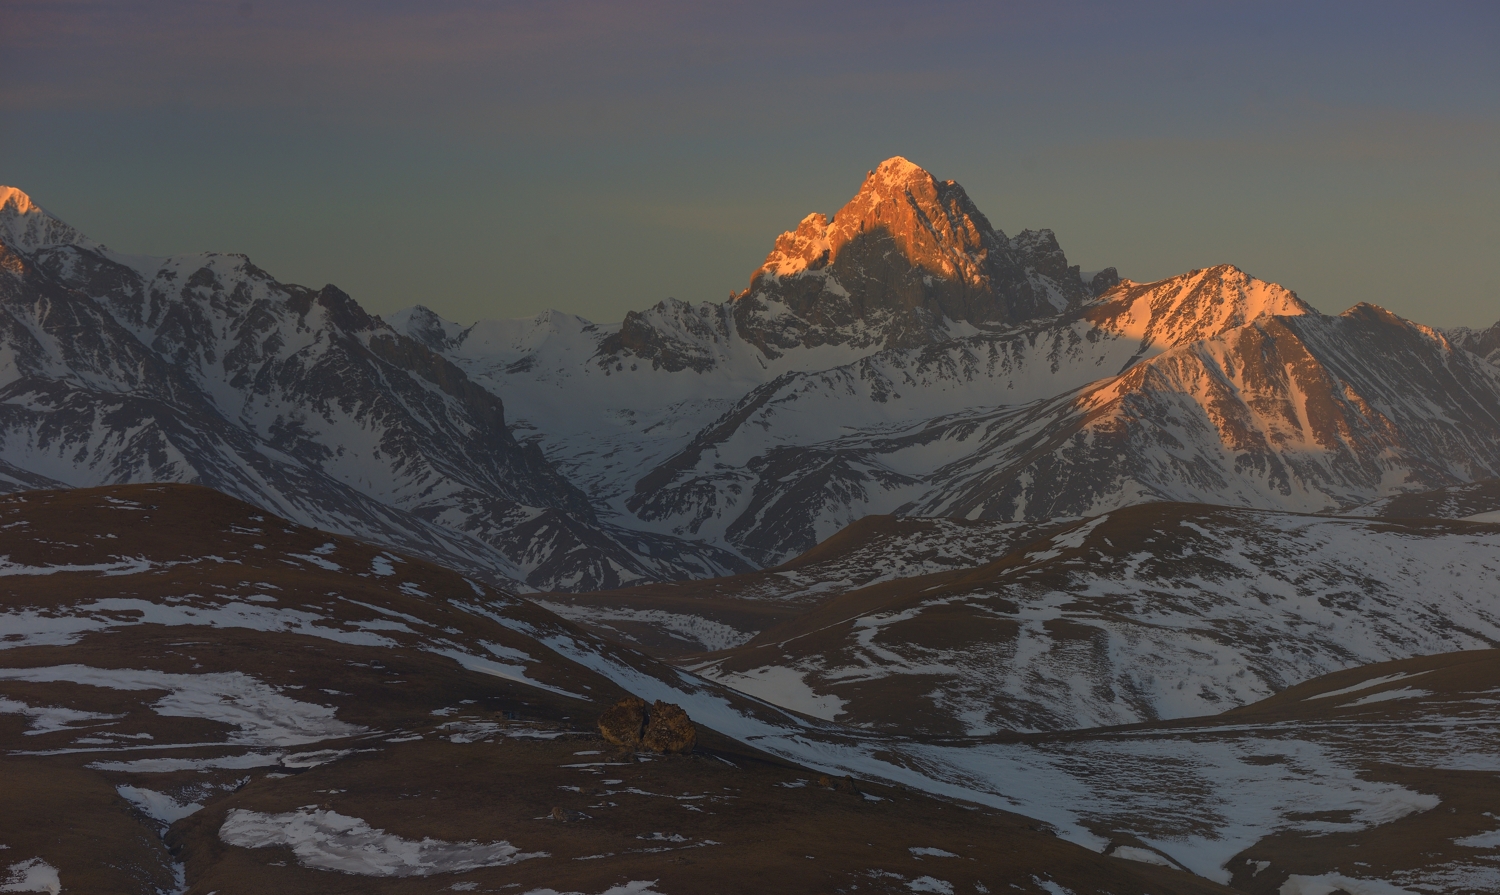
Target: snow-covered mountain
(904,357)
(1483,342)
(204,368)
(900,357)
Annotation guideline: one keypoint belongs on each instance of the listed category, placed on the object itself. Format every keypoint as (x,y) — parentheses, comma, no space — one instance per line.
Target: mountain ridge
(901,356)
(767,441)
(294,398)
(26,225)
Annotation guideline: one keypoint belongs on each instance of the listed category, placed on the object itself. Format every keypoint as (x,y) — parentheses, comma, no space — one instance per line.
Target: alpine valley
(977,573)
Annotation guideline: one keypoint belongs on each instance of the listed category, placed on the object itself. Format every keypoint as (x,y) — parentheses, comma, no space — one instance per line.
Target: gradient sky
(498,159)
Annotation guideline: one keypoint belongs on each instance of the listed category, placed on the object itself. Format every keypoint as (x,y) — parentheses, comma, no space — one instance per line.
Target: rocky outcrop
(633,724)
(624,723)
(669,730)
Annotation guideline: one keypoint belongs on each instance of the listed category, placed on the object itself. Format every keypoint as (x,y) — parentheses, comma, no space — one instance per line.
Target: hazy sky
(497,159)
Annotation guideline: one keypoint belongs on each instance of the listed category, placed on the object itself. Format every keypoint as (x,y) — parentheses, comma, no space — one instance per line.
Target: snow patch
(634,887)
(158,806)
(171,765)
(1480,840)
(1365,685)
(1385,696)
(1143,855)
(515,673)
(123,567)
(712,635)
(781,686)
(326,840)
(34,875)
(264,716)
(1327,883)
(50,719)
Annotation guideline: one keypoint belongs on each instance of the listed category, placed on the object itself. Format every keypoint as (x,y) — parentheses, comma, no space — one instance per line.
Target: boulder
(624,723)
(664,727)
(839,784)
(669,730)
(567,815)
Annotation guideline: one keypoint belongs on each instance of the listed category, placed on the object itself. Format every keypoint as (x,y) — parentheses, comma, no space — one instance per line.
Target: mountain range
(907,358)
(902,356)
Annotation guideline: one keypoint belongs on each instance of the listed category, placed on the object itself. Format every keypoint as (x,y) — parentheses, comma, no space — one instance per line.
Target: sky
(499,159)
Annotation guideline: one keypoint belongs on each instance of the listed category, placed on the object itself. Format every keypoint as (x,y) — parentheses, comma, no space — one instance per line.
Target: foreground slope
(1473,501)
(204,368)
(305,713)
(299,712)
(1379,779)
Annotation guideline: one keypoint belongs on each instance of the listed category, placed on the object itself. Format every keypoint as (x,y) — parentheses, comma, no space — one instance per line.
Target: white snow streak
(326,840)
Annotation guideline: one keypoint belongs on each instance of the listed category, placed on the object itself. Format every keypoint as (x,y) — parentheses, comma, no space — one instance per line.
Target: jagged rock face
(908,243)
(1104,280)
(206,369)
(673,336)
(897,266)
(1301,412)
(1200,304)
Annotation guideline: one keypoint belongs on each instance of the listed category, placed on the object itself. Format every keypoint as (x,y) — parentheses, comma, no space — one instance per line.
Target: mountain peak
(1200,304)
(897,172)
(898,199)
(904,254)
(15,201)
(25,226)
(933,225)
